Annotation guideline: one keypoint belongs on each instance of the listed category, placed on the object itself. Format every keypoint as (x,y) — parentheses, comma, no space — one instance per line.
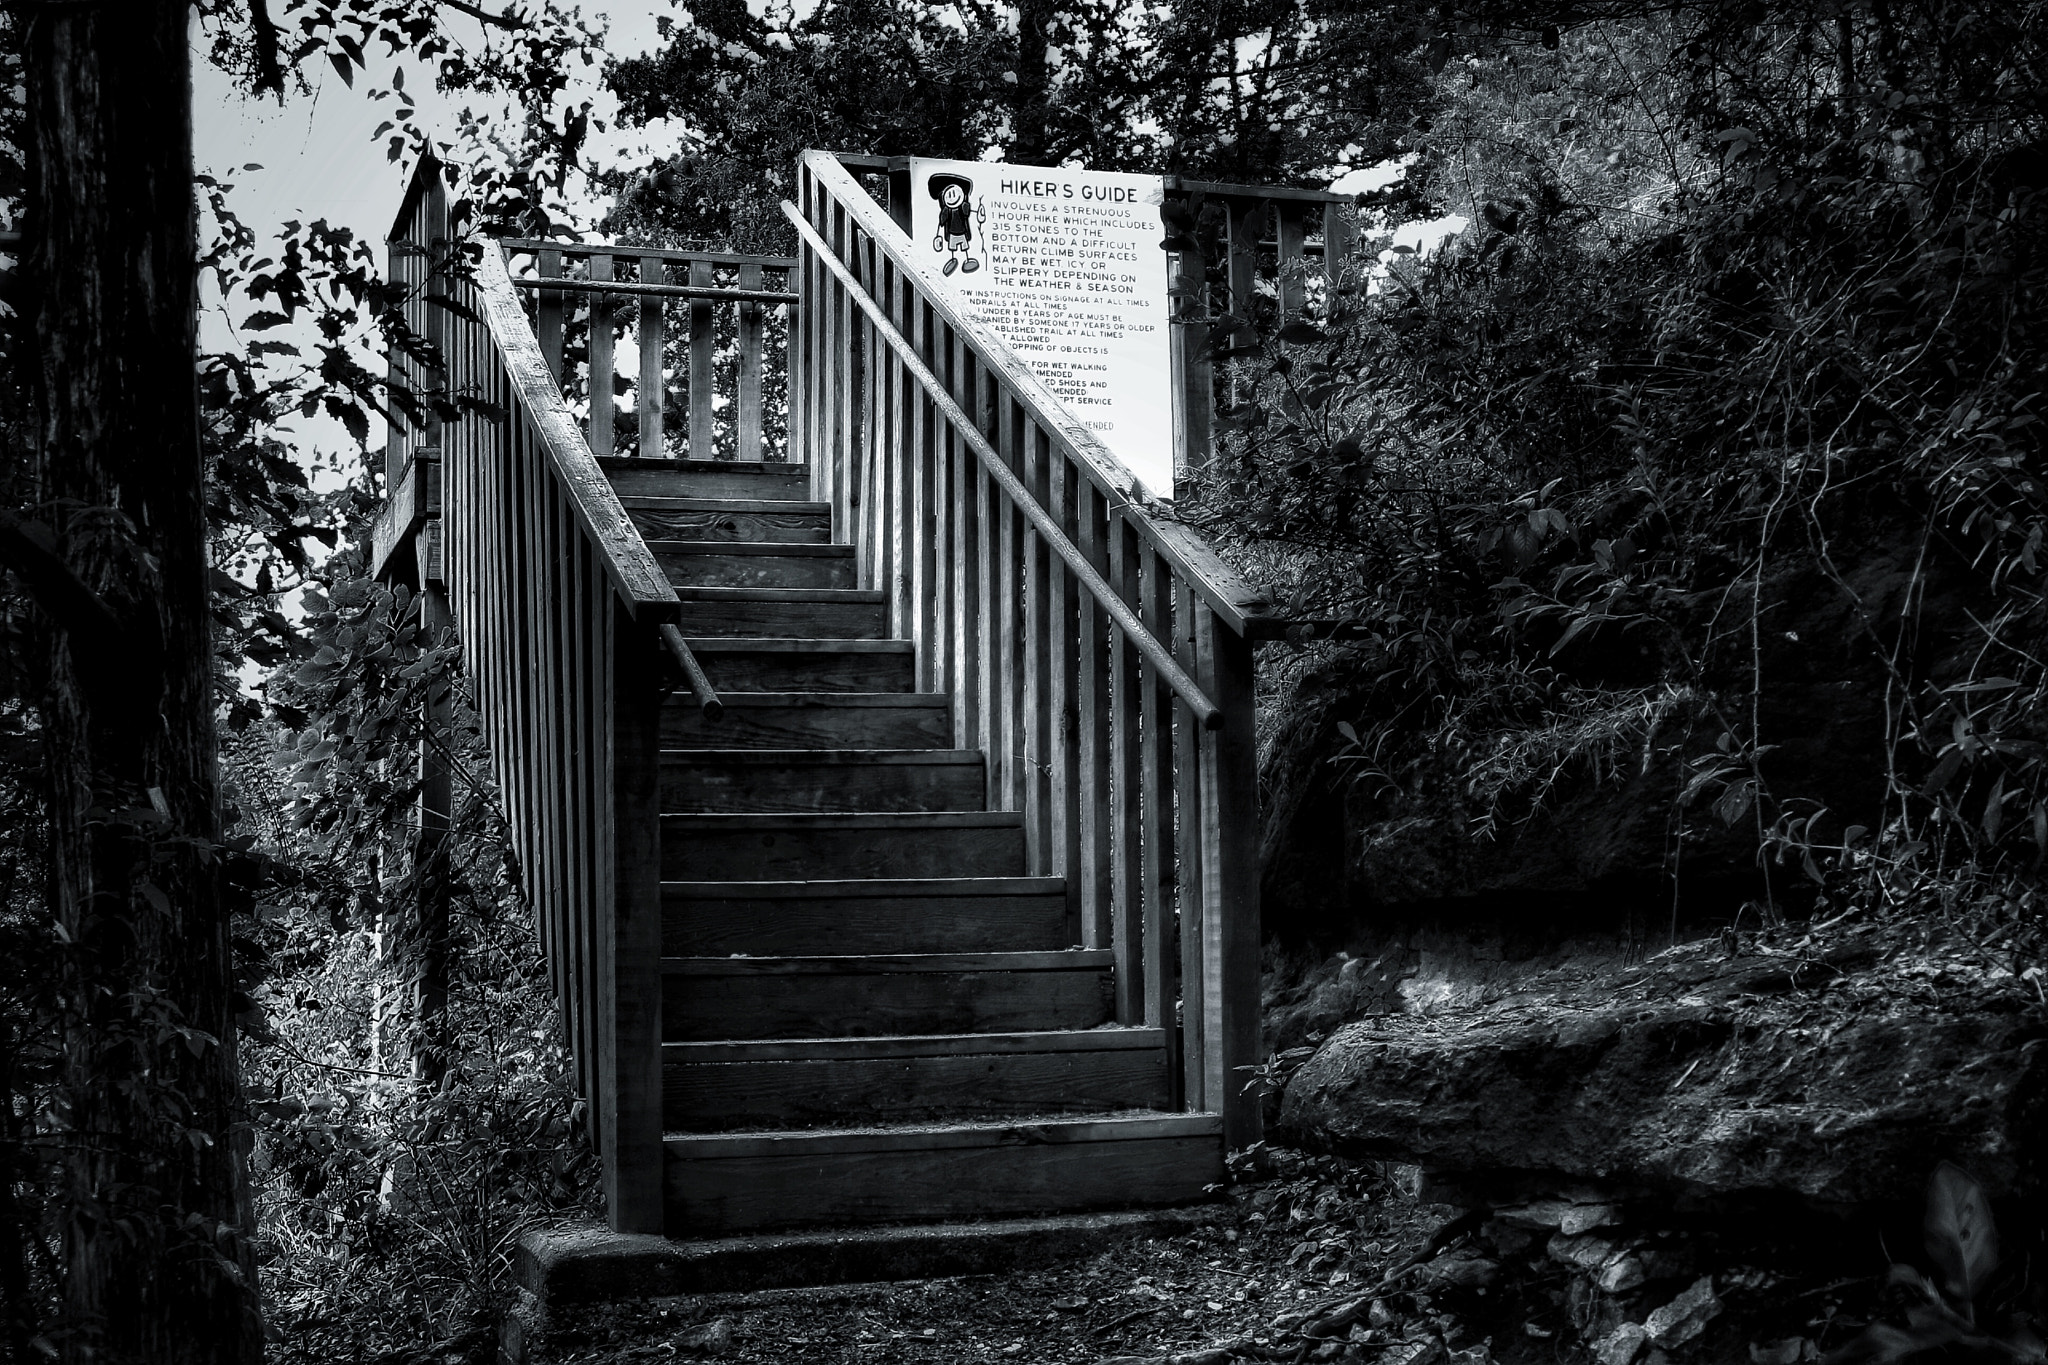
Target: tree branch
(269,70)
(507,20)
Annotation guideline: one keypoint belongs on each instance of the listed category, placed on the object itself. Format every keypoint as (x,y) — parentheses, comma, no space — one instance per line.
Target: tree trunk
(1029,136)
(157,1258)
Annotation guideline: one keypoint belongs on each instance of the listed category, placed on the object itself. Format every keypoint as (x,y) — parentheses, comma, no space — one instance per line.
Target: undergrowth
(1705,463)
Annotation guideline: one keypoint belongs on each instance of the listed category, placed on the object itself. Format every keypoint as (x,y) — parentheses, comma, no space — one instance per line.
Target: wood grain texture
(737,781)
(935,915)
(847,614)
(738,564)
(806,720)
(1029,1169)
(755,481)
(732,519)
(707,1096)
(793,847)
(798,665)
(846,1006)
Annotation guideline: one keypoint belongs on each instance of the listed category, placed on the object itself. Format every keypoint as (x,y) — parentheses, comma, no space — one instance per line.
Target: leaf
(1962,1239)
(348,77)
(1944,772)
(1302,334)
(1994,810)
(264,321)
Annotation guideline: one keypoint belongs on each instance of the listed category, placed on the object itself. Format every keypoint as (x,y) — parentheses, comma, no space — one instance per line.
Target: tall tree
(157,1257)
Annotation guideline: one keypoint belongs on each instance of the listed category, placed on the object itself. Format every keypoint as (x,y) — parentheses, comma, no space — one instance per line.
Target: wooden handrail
(1248,611)
(685,657)
(667,253)
(666,291)
(1156,654)
(642,586)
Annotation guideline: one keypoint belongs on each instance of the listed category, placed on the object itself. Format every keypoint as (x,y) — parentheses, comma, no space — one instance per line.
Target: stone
(714,1338)
(1675,1077)
(1686,1316)
(1429,1351)
(1585,1252)
(1579,1218)
(1623,1273)
(1464,1269)
(1621,1346)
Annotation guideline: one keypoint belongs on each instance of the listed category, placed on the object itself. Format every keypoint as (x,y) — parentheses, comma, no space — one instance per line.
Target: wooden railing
(560,607)
(704,332)
(1101,657)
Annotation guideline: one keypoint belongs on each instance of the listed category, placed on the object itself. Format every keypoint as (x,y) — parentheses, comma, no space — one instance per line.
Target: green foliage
(1249,90)
(1729,393)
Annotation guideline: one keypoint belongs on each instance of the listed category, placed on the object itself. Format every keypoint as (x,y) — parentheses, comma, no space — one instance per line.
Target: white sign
(1065,266)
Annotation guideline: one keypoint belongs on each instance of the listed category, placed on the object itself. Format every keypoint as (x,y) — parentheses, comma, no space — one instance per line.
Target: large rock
(1842,1078)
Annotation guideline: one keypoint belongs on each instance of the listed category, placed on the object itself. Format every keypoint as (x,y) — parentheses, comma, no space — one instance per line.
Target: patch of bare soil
(1314,1259)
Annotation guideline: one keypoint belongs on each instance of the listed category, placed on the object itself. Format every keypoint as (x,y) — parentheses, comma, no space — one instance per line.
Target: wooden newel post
(629,970)
(1230,882)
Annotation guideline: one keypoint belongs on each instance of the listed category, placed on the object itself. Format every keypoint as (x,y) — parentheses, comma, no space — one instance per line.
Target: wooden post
(550,312)
(747,434)
(703,376)
(602,439)
(1339,243)
(1290,236)
(629,969)
(1193,380)
(1230,880)
(652,396)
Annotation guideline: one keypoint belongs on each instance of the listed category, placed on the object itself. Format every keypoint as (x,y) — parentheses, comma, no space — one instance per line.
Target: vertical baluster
(1064,608)
(1289,237)
(1038,630)
(938,354)
(1193,374)
(747,437)
(603,399)
(594,790)
(630,965)
(549,311)
(1230,885)
(651,394)
(1008,677)
(1338,244)
(1147,804)
(894,436)
(1244,223)
(988,605)
(703,363)
(967,555)
(842,358)
(556,758)
(1176,632)
(924,511)
(1094,701)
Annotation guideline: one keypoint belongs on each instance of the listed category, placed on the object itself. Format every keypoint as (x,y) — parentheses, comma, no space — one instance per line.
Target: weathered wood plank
(703,376)
(807,720)
(979,914)
(1230,882)
(1028,1169)
(888,964)
(747,433)
(797,665)
(733,564)
(693,478)
(914,1045)
(854,1006)
(870,780)
(602,430)
(792,847)
(708,1096)
(651,391)
(550,313)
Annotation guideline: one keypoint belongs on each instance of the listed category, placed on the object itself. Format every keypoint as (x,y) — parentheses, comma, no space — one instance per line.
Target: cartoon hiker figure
(956,222)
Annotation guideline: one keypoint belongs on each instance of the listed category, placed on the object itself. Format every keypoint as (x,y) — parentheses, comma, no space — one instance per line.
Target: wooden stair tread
(890,964)
(1108,1039)
(852,758)
(887,820)
(768,644)
(625,463)
(867,597)
(880,887)
(826,701)
(943,1136)
(790,549)
(659,502)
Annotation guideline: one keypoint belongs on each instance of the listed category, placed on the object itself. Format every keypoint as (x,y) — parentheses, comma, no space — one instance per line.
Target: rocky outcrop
(1840,1076)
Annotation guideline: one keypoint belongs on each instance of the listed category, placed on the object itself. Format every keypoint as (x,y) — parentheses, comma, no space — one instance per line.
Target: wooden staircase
(869,1012)
(879,765)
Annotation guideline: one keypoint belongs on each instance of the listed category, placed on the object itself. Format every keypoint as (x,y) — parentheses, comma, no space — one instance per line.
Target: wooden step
(811,720)
(753,480)
(773,848)
(734,781)
(918,915)
(850,1082)
(707,998)
(813,613)
(740,664)
(753,564)
(760,1181)
(732,519)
